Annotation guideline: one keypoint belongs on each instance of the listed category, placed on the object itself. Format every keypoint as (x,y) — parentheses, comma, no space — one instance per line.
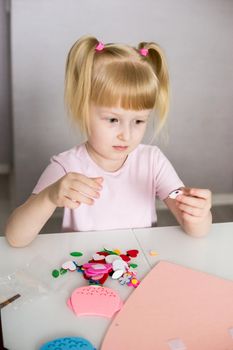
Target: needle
(9,301)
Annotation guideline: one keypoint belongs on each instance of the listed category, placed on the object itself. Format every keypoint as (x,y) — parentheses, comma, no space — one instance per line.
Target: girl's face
(114,133)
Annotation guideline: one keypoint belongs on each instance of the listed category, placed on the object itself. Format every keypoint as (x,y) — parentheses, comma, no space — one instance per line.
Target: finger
(94,183)
(70,204)
(187,191)
(99,180)
(191,210)
(80,187)
(192,201)
(200,193)
(79,197)
(190,218)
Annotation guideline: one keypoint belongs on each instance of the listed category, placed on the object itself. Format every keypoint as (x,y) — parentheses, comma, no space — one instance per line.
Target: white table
(44,319)
(212,254)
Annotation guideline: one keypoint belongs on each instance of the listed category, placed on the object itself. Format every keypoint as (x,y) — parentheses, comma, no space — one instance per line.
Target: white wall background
(5,91)
(197,38)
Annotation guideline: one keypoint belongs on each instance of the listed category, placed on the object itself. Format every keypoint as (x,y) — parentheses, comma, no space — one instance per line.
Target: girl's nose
(124,134)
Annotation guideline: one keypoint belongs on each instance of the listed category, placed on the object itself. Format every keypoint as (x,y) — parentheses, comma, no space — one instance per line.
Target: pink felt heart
(97,257)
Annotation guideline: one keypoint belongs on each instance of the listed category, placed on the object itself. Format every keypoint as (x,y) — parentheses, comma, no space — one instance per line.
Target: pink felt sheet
(175,304)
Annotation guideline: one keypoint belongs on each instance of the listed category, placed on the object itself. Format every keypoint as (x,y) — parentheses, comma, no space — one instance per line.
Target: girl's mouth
(120,148)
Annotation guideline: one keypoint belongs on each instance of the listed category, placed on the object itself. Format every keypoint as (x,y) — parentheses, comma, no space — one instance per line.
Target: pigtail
(78,77)
(156,58)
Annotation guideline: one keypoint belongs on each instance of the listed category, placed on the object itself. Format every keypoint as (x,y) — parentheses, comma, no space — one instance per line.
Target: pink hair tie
(143,52)
(99,46)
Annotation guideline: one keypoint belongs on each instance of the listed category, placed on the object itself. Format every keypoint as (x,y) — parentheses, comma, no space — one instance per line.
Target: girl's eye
(113,120)
(138,121)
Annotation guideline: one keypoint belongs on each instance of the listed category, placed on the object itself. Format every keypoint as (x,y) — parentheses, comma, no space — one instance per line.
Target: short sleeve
(167,179)
(51,174)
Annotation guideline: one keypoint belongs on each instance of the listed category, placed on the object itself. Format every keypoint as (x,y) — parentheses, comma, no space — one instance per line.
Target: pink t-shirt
(127,199)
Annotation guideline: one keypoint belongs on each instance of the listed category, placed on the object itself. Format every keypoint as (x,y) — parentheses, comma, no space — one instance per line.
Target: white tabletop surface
(34,320)
(212,254)
(26,326)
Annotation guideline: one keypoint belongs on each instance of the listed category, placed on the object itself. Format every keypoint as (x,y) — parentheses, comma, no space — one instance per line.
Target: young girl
(111,181)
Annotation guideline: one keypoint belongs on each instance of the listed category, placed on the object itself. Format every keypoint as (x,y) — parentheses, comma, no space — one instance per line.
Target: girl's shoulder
(149,154)
(69,158)
(147,150)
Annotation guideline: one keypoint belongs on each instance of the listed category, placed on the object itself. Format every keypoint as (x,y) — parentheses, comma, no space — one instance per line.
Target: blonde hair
(117,76)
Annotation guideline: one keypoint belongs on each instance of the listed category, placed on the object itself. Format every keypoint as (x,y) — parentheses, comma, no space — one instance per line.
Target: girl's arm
(27,220)
(70,191)
(192,210)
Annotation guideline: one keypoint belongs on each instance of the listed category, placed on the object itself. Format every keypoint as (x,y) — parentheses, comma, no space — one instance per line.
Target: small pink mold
(94,301)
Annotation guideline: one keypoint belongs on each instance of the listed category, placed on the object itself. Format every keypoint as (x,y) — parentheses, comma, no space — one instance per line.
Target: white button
(230,330)
(176,344)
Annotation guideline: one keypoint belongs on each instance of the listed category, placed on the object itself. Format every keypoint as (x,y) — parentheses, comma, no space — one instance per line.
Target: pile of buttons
(103,264)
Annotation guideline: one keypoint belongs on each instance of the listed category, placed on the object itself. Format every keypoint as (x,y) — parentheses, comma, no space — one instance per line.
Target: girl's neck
(109,165)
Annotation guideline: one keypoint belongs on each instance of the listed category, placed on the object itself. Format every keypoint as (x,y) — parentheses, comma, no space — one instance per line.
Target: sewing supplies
(95,299)
(175,193)
(103,264)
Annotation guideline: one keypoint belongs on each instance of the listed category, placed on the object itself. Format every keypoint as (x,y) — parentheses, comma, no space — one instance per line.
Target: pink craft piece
(175,307)
(96,269)
(95,301)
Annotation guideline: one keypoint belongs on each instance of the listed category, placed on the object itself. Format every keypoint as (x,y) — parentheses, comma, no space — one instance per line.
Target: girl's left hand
(194,204)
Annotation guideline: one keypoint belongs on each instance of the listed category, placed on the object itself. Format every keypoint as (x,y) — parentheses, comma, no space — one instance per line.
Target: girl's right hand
(73,189)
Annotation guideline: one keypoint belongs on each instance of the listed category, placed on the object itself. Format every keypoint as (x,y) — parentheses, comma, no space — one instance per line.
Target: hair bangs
(129,85)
